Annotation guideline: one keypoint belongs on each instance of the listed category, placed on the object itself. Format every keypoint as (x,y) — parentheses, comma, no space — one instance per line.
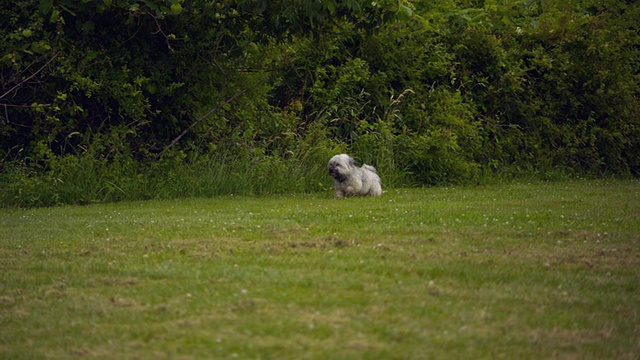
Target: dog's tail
(370,168)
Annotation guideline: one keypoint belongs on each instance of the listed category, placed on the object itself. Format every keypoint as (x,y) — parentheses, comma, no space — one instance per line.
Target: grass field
(542,270)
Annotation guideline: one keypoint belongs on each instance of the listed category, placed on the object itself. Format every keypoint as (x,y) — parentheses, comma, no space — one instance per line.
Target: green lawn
(542,270)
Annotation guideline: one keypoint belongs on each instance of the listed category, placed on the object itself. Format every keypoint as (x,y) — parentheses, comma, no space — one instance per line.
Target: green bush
(108,101)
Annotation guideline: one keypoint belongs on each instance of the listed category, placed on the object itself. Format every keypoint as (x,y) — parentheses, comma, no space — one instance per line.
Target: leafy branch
(209,113)
(30,76)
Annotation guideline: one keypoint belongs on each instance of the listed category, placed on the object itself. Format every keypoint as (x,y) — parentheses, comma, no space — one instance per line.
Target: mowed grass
(542,270)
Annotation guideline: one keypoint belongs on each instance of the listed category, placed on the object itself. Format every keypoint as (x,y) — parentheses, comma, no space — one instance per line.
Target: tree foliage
(429,91)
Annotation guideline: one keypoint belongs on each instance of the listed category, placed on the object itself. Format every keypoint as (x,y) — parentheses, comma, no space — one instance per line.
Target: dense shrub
(137,99)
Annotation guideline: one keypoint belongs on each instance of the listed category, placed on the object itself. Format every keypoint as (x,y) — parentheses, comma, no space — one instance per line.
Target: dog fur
(351,180)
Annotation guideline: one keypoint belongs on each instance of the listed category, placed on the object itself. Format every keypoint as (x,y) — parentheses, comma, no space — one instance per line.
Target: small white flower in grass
(244,292)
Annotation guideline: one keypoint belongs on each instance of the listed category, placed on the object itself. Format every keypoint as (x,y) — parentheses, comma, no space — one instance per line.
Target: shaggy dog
(352,180)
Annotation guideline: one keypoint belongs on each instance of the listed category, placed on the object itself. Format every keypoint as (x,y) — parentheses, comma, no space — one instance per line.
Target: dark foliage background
(107,100)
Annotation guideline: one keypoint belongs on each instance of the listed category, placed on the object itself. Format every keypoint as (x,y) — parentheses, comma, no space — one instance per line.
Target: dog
(351,180)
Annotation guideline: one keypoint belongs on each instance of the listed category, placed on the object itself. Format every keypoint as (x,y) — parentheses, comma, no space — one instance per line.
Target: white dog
(352,180)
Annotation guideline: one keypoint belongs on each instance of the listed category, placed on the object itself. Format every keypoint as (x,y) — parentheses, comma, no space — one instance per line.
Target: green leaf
(331,6)
(176,9)
(46,6)
(55,15)
(404,13)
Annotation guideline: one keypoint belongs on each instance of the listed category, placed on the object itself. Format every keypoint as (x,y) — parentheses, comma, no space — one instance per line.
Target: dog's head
(341,166)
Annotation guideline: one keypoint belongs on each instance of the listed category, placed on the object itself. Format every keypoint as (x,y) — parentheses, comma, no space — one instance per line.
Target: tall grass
(97,175)
(86,179)
(91,177)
